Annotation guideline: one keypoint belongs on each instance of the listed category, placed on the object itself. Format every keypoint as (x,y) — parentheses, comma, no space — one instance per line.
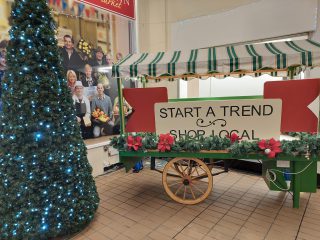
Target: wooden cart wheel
(187,180)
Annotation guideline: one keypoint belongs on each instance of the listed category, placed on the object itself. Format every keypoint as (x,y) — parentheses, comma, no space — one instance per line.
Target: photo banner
(124,8)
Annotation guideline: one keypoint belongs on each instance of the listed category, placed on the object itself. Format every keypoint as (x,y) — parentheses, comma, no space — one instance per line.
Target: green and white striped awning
(250,59)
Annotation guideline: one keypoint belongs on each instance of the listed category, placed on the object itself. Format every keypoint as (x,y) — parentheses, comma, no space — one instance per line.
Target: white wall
(121,35)
(151,25)
(155,18)
(258,20)
(245,86)
(227,87)
(172,87)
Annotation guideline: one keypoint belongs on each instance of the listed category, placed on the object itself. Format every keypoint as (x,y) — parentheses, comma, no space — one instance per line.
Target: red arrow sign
(300,103)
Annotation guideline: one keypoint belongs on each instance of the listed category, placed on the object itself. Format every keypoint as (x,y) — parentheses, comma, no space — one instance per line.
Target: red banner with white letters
(124,8)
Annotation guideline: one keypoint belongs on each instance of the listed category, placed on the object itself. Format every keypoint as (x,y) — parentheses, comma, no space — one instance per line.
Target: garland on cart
(308,145)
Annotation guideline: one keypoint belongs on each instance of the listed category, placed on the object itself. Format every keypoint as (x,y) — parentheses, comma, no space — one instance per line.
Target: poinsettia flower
(165,142)
(134,142)
(234,137)
(271,147)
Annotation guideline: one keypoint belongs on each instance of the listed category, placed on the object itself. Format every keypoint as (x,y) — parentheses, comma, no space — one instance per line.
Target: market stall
(187,177)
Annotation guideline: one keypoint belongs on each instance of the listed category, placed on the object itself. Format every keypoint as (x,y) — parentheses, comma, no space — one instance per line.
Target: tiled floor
(135,206)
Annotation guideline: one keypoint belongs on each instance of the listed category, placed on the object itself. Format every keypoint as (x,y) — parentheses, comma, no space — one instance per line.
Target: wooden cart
(187,176)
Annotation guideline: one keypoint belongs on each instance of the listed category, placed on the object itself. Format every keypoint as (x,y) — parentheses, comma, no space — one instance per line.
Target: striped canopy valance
(227,60)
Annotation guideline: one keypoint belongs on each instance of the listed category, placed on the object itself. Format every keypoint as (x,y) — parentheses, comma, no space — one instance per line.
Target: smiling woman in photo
(71,80)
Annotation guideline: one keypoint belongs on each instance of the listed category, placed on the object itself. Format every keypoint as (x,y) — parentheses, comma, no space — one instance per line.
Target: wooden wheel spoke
(184,194)
(176,169)
(194,169)
(189,167)
(178,189)
(183,170)
(198,189)
(202,168)
(173,184)
(194,197)
(199,177)
(197,171)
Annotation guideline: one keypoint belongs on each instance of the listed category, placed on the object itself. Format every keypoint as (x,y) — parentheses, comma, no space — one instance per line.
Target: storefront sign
(249,119)
(124,8)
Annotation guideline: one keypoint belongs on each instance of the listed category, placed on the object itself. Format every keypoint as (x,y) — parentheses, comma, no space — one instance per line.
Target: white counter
(100,154)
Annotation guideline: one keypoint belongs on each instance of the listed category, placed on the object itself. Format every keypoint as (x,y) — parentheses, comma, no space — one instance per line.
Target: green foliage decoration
(308,143)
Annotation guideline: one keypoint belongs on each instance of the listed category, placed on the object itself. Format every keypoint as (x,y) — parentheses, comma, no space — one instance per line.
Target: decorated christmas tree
(46,186)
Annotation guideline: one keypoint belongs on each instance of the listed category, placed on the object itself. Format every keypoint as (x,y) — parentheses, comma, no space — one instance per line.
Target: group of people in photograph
(90,126)
(73,60)
(91,90)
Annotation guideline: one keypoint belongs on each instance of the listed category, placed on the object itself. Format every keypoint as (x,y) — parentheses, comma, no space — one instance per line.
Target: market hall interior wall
(156,17)
(161,23)
(259,20)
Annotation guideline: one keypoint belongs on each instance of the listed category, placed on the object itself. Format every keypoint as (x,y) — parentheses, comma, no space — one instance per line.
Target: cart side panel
(129,162)
(307,179)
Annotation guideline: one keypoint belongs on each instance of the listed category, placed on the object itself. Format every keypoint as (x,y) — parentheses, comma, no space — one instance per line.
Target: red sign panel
(124,8)
(300,103)
(142,119)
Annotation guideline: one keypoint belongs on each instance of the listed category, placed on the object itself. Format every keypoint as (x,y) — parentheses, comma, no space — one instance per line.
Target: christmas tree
(46,186)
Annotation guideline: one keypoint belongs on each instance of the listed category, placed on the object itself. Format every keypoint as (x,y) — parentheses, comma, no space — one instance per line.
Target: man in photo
(109,59)
(103,103)
(70,58)
(89,81)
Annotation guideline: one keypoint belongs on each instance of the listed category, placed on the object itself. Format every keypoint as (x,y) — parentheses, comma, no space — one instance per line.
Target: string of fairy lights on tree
(46,186)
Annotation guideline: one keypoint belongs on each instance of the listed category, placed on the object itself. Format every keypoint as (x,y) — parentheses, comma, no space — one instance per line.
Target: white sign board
(249,119)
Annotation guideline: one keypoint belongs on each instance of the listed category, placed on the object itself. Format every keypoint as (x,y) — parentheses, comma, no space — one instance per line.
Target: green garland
(307,144)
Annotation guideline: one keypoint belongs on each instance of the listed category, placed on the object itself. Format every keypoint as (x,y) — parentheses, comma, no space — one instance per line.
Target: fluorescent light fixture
(105,69)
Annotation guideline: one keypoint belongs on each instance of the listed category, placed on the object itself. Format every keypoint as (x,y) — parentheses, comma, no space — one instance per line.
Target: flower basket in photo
(99,116)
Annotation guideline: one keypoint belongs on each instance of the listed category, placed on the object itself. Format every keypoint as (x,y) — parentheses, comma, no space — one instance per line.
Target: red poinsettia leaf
(277,150)
(272,154)
(130,141)
(160,146)
(162,137)
(272,141)
(165,142)
(262,144)
(170,139)
(234,136)
(277,144)
(135,147)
